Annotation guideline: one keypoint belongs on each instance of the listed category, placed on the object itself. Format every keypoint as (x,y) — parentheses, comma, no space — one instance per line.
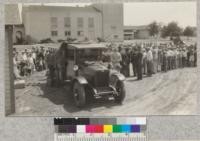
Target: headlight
(75,67)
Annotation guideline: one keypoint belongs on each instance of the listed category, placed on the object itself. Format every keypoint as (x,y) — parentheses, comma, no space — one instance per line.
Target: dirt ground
(171,93)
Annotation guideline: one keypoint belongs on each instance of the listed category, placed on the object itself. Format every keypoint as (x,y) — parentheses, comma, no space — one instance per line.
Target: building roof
(141,27)
(12,14)
(88,46)
(59,8)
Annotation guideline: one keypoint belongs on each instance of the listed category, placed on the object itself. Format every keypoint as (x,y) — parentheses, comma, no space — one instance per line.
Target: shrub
(47,40)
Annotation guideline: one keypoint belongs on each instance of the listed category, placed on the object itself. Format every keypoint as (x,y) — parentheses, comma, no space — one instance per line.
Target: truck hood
(97,74)
(96,66)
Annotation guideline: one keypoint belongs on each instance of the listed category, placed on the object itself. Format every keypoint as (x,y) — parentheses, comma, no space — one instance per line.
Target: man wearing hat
(134,60)
(139,63)
(126,62)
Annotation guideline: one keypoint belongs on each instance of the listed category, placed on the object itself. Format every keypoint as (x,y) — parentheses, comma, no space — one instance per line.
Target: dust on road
(171,93)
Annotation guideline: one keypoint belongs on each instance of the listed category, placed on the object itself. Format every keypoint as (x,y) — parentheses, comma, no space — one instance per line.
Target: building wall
(128,34)
(37,22)
(142,34)
(136,32)
(112,21)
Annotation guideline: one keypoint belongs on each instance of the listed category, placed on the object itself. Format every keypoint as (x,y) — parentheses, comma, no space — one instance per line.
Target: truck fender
(81,80)
(120,76)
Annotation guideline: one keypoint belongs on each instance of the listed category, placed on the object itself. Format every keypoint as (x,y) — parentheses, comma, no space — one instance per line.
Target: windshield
(89,55)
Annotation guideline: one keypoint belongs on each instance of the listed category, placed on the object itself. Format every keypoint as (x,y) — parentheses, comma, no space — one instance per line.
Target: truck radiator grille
(101,78)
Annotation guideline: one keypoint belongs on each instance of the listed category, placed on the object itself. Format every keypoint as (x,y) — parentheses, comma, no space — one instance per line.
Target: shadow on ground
(63,96)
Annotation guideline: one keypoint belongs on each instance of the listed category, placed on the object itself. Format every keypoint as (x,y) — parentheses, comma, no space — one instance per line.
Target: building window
(90,22)
(128,30)
(80,33)
(113,27)
(80,22)
(54,22)
(67,33)
(67,21)
(115,36)
(54,33)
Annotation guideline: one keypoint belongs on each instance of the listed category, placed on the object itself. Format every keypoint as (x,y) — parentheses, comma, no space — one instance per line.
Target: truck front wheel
(120,88)
(79,94)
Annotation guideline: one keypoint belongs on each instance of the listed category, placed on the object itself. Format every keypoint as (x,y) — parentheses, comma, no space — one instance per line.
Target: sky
(138,13)
(143,13)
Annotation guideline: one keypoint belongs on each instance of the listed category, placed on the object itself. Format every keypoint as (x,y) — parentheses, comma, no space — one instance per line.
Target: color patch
(81,129)
(117,129)
(135,128)
(71,128)
(121,120)
(126,128)
(141,121)
(100,125)
(62,129)
(98,128)
(130,121)
(107,129)
(143,128)
(90,128)
(71,121)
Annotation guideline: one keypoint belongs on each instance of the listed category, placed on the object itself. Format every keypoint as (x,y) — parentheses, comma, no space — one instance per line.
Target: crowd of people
(144,59)
(148,59)
(25,61)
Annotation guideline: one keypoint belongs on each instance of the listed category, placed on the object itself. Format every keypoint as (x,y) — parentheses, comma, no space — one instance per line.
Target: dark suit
(139,65)
(125,64)
(134,62)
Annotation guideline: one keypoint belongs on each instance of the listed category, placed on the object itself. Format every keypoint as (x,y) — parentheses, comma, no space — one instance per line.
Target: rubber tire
(89,94)
(80,89)
(120,98)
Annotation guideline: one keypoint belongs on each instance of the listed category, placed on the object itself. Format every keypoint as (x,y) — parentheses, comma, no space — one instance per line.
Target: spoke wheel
(120,88)
(79,94)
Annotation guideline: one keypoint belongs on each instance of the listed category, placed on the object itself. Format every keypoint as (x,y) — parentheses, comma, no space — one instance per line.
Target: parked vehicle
(89,76)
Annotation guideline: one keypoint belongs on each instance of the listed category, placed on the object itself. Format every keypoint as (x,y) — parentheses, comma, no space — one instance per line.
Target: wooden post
(8,70)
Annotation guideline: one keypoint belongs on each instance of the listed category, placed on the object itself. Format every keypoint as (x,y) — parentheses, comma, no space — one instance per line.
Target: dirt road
(171,93)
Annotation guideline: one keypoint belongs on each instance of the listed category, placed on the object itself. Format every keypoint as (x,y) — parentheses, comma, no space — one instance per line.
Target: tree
(172,30)
(153,28)
(189,31)
(164,32)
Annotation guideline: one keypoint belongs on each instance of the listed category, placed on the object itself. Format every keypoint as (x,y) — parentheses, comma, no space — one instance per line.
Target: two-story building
(60,22)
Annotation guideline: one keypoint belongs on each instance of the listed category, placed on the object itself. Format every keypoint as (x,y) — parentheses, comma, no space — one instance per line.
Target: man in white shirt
(149,57)
(24,56)
(34,58)
(155,59)
(169,59)
(144,61)
(116,59)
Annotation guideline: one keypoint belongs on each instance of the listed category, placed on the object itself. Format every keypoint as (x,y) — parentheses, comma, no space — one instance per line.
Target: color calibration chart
(101,129)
